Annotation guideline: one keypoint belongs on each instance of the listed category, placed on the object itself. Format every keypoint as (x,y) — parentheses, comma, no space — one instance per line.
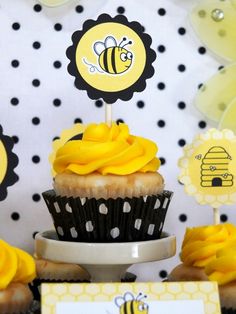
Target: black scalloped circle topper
(8,161)
(111,58)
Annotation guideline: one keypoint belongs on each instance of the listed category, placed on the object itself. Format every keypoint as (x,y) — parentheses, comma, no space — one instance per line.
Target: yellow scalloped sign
(66,135)
(208,168)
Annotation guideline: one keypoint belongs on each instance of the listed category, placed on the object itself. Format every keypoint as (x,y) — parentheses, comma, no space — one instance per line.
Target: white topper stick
(108,113)
(216,216)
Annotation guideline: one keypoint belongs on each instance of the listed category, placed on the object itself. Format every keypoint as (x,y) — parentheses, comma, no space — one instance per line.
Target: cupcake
(107,188)
(199,247)
(52,272)
(223,270)
(17,269)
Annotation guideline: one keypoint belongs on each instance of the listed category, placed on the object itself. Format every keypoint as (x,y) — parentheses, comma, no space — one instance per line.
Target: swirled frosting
(223,268)
(15,265)
(107,150)
(201,243)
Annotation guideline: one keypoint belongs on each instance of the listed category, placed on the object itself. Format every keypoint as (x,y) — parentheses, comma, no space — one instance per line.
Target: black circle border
(12,161)
(111,97)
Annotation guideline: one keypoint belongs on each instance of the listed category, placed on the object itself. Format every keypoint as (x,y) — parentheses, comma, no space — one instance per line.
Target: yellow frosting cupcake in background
(17,269)
(223,270)
(200,246)
(107,187)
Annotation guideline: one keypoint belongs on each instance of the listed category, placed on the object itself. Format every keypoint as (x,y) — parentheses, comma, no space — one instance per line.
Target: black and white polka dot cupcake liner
(112,220)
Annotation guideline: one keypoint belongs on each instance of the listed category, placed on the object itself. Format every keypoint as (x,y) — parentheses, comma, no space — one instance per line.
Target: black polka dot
(163,274)
(36,121)
(181,105)
(180,182)
(200,86)
(14,101)
(202,50)
(58,27)
(34,234)
(182,217)
(221,67)
(161,12)
(36,197)
(78,120)
(15,63)
(162,160)
(181,68)
(56,138)
(118,121)
(202,124)
(99,103)
(37,7)
(36,83)
(36,45)
(57,64)
(79,8)
(36,159)
(15,139)
(15,216)
(121,10)
(161,123)
(57,102)
(161,86)
(140,104)
(182,31)
(223,218)
(16,26)
(181,142)
(161,48)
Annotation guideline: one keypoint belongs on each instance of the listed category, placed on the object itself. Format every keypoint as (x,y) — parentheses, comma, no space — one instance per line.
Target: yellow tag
(111,58)
(208,168)
(8,161)
(145,298)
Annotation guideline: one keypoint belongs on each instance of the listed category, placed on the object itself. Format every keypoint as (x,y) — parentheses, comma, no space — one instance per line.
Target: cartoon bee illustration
(113,58)
(131,305)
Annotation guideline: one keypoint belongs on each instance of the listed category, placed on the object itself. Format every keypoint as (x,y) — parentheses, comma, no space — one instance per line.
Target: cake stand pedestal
(106,262)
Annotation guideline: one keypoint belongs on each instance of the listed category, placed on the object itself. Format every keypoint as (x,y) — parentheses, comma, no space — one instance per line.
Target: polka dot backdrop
(39,100)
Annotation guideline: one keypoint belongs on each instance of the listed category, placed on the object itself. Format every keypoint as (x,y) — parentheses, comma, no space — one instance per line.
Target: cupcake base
(111,220)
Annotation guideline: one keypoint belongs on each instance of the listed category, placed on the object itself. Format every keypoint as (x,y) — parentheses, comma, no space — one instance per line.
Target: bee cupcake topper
(111,58)
(8,161)
(208,169)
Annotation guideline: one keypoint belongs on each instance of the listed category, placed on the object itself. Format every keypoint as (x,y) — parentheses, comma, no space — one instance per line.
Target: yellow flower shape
(214,22)
(205,168)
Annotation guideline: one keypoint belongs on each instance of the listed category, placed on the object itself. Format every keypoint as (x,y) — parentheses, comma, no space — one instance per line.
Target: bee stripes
(109,59)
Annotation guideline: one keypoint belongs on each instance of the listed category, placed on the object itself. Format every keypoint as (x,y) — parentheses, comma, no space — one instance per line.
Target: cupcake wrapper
(228,311)
(112,220)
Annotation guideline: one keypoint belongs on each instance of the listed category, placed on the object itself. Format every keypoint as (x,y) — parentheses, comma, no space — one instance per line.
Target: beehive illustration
(214,168)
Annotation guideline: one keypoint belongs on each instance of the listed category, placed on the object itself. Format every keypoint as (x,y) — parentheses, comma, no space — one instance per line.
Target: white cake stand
(106,262)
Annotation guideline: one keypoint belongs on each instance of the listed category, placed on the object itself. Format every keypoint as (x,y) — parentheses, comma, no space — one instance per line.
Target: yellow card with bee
(111,58)
(131,298)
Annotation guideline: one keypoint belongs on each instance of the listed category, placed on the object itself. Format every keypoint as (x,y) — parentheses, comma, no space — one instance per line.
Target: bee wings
(99,46)
(128,296)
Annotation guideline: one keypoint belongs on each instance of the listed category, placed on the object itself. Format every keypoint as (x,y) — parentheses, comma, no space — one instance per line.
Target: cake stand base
(106,262)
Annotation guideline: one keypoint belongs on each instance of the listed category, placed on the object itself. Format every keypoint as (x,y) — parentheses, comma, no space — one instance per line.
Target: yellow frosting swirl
(15,265)
(223,268)
(107,150)
(201,243)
